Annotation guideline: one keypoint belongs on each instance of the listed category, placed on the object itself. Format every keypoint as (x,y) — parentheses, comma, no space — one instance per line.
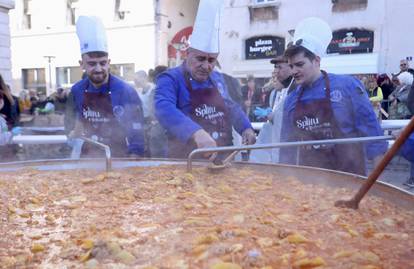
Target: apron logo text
(307,123)
(208,112)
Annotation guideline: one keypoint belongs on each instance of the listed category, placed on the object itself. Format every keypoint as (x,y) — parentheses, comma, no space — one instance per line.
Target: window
(126,71)
(264,2)
(263,13)
(67,76)
(27,14)
(348,5)
(34,78)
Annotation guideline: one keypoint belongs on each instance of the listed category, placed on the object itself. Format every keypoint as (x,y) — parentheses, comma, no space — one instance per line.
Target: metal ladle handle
(283,145)
(107,149)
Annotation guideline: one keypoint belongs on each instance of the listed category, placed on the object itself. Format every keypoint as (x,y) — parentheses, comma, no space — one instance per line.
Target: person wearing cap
(326,106)
(283,84)
(191,101)
(107,109)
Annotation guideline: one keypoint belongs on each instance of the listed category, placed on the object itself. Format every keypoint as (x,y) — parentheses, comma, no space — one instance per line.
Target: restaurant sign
(350,41)
(264,47)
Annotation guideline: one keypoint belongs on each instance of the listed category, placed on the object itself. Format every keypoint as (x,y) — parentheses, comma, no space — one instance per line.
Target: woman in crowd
(398,108)
(375,97)
(10,109)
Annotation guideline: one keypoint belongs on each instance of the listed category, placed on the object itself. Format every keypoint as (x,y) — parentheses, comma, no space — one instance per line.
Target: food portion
(166,218)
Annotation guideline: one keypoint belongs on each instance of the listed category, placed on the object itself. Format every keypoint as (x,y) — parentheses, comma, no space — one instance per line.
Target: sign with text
(350,41)
(264,47)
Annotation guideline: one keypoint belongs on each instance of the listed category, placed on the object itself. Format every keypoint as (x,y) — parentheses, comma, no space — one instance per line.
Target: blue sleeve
(407,150)
(366,122)
(167,112)
(135,121)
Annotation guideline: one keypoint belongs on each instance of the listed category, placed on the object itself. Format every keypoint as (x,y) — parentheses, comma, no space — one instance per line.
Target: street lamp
(49,60)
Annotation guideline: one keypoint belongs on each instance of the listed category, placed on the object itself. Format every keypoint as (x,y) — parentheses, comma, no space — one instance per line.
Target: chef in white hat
(326,106)
(108,109)
(191,101)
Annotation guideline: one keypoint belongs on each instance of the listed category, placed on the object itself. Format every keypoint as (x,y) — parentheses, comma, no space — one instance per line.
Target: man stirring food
(107,109)
(326,106)
(192,102)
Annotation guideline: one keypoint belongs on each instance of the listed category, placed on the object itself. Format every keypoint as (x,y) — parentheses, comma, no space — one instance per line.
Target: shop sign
(350,41)
(264,47)
(179,43)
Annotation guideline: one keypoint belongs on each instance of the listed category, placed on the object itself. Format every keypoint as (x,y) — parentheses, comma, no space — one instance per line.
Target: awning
(366,63)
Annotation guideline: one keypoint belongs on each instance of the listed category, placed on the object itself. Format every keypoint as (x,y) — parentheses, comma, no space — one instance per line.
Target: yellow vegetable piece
(236,248)
(199,249)
(125,257)
(37,248)
(265,242)
(206,239)
(309,263)
(87,244)
(343,254)
(297,238)
(85,256)
(225,265)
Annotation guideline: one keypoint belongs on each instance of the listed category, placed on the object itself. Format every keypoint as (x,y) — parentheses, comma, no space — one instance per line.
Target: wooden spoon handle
(383,163)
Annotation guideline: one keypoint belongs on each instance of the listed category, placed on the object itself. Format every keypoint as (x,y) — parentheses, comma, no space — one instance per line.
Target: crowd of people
(170,112)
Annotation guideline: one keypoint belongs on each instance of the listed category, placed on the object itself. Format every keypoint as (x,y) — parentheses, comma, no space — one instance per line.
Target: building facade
(45,48)
(5,53)
(369,36)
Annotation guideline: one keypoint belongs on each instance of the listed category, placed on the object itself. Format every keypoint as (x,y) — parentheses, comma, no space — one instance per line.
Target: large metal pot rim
(309,175)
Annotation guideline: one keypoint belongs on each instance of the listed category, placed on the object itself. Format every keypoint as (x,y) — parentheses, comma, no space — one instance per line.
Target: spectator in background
(375,97)
(157,140)
(10,109)
(145,90)
(24,102)
(233,86)
(404,66)
(252,97)
(387,88)
(59,99)
(398,108)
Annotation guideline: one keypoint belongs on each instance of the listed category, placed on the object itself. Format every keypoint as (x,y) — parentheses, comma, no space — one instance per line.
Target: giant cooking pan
(307,175)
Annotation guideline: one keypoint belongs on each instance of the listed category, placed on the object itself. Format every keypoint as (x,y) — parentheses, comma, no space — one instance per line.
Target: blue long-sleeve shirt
(172,104)
(122,95)
(407,150)
(351,108)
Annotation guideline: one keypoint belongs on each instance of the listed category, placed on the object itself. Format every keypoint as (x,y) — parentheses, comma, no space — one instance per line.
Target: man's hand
(77,130)
(203,139)
(248,137)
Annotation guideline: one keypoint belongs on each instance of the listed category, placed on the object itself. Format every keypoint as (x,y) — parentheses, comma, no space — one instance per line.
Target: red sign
(179,42)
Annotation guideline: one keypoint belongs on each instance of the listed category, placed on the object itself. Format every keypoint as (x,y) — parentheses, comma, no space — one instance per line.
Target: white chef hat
(205,36)
(91,34)
(313,34)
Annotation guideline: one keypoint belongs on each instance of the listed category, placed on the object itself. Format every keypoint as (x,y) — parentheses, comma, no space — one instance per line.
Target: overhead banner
(350,41)
(264,47)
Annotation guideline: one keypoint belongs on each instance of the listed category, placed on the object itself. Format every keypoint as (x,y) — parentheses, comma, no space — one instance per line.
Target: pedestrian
(191,101)
(271,130)
(252,97)
(107,109)
(326,106)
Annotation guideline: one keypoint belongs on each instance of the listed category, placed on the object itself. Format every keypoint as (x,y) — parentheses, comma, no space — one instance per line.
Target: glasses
(403,64)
